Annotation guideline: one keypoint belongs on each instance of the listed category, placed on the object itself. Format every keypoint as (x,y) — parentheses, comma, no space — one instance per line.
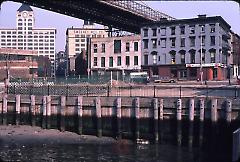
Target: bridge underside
(92,10)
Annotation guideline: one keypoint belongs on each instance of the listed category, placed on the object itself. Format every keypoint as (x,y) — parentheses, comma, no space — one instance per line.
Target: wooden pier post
(161,109)
(4,111)
(179,109)
(48,119)
(32,110)
(214,110)
(179,133)
(228,110)
(79,114)
(137,107)
(201,110)
(155,119)
(17,109)
(98,116)
(119,116)
(191,110)
(44,109)
(62,113)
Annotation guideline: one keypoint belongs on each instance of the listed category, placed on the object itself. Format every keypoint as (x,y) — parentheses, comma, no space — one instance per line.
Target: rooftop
(24,7)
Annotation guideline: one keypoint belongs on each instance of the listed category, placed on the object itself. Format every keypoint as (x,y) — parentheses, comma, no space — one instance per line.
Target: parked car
(163,80)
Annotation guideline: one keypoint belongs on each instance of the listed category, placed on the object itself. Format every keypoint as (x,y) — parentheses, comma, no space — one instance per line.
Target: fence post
(18,103)
(80,114)
(119,114)
(108,89)
(32,112)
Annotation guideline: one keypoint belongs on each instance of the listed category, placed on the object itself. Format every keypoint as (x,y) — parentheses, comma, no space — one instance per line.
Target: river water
(188,144)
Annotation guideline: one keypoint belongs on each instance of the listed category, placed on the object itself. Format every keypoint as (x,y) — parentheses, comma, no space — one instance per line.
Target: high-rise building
(197,48)
(27,37)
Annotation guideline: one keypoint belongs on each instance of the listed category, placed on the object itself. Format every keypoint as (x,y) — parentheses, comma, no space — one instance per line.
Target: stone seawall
(120,117)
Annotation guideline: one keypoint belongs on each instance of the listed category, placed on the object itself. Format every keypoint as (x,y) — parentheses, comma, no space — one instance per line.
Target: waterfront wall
(120,117)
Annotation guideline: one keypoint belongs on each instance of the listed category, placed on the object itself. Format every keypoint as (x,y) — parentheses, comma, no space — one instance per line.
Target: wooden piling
(201,109)
(98,116)
(137,107)
(44,112)
(119,116)
(48,119)
(62,113)
(179,109)
(161,109)
(155,118)
(32,110)
(17,109)
(79,114)
(179,133)
(191,110)
(5,110)
(214,110)
(228,110)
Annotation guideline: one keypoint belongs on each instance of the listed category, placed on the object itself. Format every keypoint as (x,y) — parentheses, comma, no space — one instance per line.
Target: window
(163,42)
(202,30)
(135,60)
(135,46)
(145,32)
(163,31)
(154,30)
(173,58)
(192,41)
(212,55)
(172,42)
(154,43)
(127,47)
(94,48)
(119,62)
(117,46)
(76,40)
(182,29)
(192,57)
(172,30)
(212,28)
(202,40)
(182,58)
(145,59)
(127,60)
(192,29)
(95,61)
(103,48)
(110,61)
(145,43)
(212,43)
(102,61)
(154,59)
(182,42)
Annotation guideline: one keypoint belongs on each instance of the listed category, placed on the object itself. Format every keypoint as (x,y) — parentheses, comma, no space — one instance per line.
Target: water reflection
(179,142)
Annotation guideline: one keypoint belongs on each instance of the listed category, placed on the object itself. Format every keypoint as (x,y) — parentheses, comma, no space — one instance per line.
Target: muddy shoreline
(28,135)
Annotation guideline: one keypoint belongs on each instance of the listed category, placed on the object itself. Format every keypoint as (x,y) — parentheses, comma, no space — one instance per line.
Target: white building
(116,54)
(76,40)
(27,37)
(187,48)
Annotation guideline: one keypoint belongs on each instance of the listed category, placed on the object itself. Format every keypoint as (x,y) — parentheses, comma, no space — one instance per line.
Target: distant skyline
(229,10)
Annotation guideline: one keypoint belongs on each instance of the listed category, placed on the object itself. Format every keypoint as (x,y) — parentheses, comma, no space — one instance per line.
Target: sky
(229,10)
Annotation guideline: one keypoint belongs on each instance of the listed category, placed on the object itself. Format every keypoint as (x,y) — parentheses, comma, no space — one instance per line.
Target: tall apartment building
(27,37)
(116,54)
(187,49)
(77,38)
